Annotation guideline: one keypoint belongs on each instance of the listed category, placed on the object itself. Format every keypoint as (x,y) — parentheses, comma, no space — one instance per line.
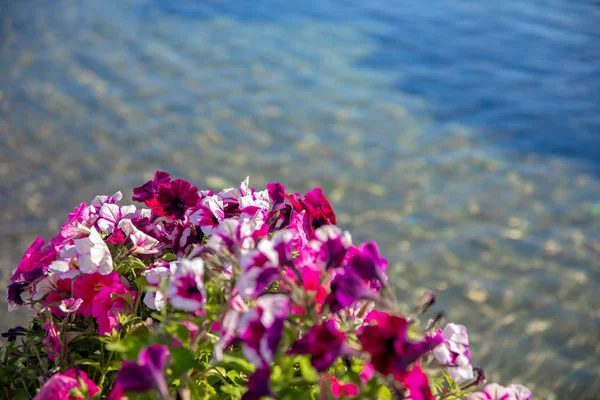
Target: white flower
(111,214)
(142,243)
(93,254)
(454,353)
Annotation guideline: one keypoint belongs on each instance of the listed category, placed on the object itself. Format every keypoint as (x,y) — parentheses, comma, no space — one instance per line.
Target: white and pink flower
(454,354)
(186,288)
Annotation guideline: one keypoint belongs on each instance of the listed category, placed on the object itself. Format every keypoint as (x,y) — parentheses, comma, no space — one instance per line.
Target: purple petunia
(324,343)
(148,372)
(261,327)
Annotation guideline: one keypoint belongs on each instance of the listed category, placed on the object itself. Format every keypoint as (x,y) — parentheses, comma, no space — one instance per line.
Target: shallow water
(461,136)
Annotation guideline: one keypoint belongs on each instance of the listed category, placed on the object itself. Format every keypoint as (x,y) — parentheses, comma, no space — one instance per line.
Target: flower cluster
(233,294)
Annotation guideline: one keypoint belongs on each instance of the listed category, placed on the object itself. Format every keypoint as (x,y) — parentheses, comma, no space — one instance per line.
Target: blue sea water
(462,135)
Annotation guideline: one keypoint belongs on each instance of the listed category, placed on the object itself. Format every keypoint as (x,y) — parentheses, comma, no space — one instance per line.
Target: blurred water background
(462,135)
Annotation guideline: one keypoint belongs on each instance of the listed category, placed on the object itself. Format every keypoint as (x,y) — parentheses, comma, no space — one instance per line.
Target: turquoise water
(461,136)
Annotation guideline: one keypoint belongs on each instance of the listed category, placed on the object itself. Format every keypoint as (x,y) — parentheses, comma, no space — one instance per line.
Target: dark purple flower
(261,327)
(175,198)
(324,342)
(367,262)
(346,288)
(148,190)
(148,372)
(258,385)
(332,245)
(12,333)
(391,352)
(15,290)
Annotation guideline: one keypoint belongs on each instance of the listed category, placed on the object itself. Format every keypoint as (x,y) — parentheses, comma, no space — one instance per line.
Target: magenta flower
(186,289)
(453,353)
(261,327)
(87,286)
(147,373)
(367,262)
(346,288)
(416,384)
(494,391)
(319,208)
(148,190)
(258,385)
(391,352)
(71,229)
(175,198)
(109,304)
(339,389)
(35,261)
(325,344)
(332,245)
(59,386)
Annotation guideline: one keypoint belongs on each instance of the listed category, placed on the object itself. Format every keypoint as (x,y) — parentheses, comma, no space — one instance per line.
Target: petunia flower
(494,391)
(186,288)
(367,263)
(233,236)
(93,254)
(324,343)
(331,244)
(87,286)
(108,304)
(148,190)
(70,305)
(342,389)
(142,242)
(416,384)
(35,261)
(453,353)
(80,217)
(175,198)
(110,215)
(100,200)
(346,288)
(147,373)
(61,385)
(261,327)
(154,275)
(209,215)
(391,351)
(258,385)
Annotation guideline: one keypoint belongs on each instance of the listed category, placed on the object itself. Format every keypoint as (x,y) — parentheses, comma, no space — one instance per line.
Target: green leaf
(234,391)
(93,364)
(182,361)
(306,370)
(233,361)
(384,393)
(128,348)
(204,391)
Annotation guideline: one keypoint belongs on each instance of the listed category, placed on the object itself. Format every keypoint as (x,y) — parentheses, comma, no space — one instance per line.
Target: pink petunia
(60,386)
